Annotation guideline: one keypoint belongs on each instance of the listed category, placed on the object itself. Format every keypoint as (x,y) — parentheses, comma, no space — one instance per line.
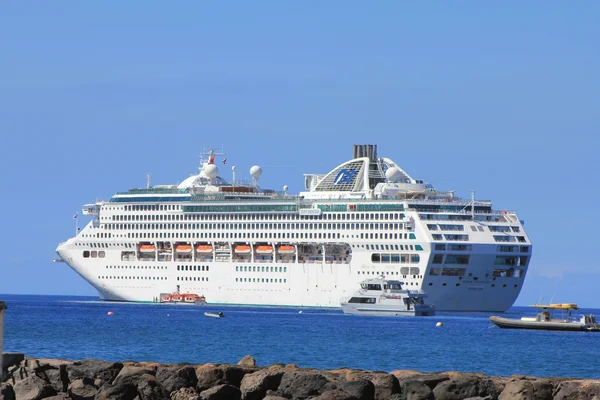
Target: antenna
(472,205)
(148,180)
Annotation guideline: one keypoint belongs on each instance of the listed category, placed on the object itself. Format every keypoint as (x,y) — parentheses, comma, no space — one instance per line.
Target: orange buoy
(110,313)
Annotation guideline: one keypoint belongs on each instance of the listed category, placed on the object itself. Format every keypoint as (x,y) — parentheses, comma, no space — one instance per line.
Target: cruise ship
(235,243)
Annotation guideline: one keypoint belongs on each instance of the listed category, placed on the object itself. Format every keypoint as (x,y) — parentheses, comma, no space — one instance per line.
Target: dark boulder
(60,396)
(464,385)
(299,384)
(431,380)
(415,390)
(254,386)
(149,388)
(176,377)
(221,392)
(385,384)
(142,387)
(6,391)
(93,369)
(33,388)
(362,389)
(335,394)
(82,389)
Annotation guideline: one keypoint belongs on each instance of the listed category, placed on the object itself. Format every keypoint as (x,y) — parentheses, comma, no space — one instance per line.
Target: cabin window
(367,300)
(86,254)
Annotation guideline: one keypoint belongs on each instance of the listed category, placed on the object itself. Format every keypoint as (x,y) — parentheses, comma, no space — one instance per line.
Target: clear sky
(502,98)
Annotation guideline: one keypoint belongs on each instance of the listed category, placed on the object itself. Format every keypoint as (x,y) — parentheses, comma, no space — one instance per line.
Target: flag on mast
(224,161)
(75,216)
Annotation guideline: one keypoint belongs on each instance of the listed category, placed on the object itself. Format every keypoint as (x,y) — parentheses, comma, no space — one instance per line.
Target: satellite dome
(285,188)
(211,171)
(256,171)
(233,168)
(393,174)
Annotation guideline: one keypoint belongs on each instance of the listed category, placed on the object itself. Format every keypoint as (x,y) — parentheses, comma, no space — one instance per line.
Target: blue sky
(502,98)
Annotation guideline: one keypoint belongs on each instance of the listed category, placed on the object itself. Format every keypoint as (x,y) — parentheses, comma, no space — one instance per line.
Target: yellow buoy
(439,324)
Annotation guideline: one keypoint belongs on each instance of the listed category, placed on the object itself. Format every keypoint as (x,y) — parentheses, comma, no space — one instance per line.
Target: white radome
(211,171)
(256,171)
(393,174)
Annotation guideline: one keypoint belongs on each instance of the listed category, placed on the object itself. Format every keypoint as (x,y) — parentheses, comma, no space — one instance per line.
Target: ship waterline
(237,244)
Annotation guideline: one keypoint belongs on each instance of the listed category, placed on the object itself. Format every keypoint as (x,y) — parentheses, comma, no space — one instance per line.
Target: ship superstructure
(235,243)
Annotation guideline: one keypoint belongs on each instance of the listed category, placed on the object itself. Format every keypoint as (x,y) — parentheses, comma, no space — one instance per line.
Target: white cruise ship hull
(301,285)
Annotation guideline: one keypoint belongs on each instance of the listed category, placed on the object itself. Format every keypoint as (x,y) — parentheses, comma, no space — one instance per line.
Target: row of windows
(513,249)
(192,268)
(403,272)
(504,228)
(258,226)
(511,260)
(270,235)
(154,278)
(451,259)
(453,247)
(461,238)
(261,280)
(443,227)
(395,258)
(509,238)
(94,254)
(258,217)
(135,267)
(458,284)
(192,278)
(246,268)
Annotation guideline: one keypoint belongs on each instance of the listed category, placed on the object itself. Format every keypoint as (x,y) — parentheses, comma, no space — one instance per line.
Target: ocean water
(77,327)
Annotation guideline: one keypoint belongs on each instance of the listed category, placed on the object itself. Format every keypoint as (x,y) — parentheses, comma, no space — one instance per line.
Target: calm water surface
(76,328)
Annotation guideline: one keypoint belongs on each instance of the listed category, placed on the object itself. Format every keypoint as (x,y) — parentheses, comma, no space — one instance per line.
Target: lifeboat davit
(264,249)
(183,248)
(285,249)
(242,249)
(204,248)
(147,248)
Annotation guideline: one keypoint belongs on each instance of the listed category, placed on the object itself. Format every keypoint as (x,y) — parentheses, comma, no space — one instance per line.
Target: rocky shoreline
(32,378)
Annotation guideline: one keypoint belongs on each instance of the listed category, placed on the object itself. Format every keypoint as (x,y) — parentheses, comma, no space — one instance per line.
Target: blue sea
(78,327)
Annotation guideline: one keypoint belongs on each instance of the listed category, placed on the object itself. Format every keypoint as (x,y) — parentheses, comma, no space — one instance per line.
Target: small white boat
(386,298)
(551,317)
(214,315)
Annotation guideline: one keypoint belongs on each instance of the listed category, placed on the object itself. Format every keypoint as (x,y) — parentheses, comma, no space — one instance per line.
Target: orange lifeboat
(242,249)
(183,248)
(204,248)
(285,249)
(264,249)
(189,297)
(147,248)
(165,298)
(176,297)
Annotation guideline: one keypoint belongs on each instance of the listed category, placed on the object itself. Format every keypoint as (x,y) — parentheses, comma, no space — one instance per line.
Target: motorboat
(214,315)
(551,317)
(384,297)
